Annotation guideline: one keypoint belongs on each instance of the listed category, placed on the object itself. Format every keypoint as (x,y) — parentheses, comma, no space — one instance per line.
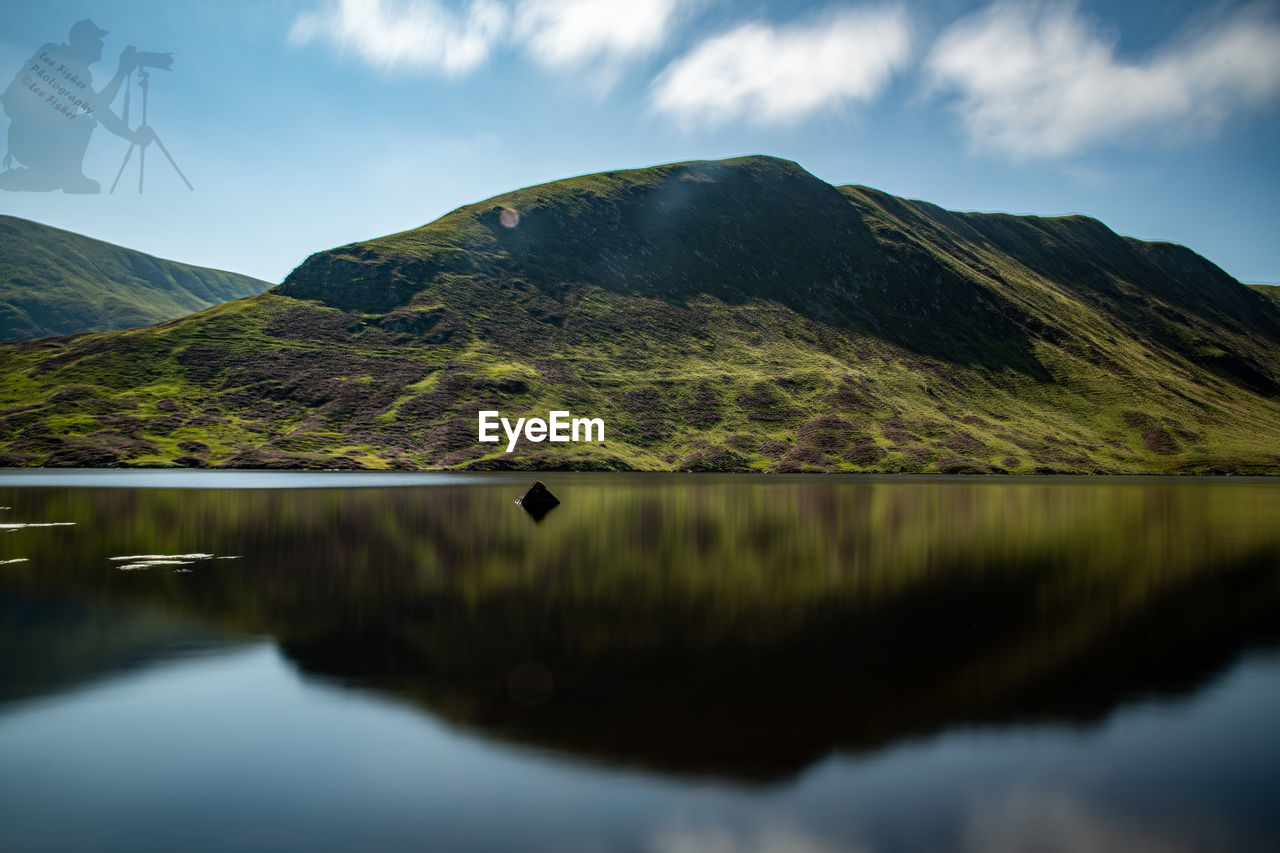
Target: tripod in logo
(144,61)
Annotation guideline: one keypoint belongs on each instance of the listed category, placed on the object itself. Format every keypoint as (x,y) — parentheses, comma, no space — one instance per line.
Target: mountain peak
(759,228)
(670,231)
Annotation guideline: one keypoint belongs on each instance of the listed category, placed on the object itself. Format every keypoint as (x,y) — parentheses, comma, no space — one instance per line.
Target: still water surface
(201,660)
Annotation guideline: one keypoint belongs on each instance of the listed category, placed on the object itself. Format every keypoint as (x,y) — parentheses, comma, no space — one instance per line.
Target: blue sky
(308,124)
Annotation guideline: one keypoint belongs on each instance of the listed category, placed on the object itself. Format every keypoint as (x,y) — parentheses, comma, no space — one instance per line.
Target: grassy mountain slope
(732,315)
(55,282)
(1271,291)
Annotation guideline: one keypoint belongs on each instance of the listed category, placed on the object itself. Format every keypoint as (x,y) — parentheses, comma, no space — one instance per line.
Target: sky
(308,124)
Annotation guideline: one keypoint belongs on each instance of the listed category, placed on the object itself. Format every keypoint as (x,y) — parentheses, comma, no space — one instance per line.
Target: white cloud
(420,35)
(454,39)
(779,75)
(574,33)
(1039,80)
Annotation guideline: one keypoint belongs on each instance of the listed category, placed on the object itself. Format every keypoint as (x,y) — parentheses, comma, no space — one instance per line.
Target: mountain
(728,315)
(55,282)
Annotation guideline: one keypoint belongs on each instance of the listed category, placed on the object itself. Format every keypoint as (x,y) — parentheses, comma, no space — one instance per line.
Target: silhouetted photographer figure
(53,109)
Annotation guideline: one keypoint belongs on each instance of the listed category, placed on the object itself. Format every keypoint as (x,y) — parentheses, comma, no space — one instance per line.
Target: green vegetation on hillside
(1271,291)
(54,282)
(733,315)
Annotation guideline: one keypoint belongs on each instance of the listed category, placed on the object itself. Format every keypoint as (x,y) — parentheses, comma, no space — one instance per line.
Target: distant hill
(55,282)
(728,315)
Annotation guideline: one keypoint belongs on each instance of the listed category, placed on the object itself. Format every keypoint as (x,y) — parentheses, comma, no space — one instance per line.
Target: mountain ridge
(718,315)
(58,282)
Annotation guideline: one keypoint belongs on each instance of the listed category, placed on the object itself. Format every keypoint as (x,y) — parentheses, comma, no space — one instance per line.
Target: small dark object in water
(538,501)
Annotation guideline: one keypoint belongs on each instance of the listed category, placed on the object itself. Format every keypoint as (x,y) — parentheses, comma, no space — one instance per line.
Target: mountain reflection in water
(736,627)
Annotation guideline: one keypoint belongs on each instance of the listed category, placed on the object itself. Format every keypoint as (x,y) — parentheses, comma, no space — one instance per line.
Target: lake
(667,663)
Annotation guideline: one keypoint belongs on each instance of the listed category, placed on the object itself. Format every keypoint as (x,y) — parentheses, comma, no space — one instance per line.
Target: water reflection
(733,627)
(51,643)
